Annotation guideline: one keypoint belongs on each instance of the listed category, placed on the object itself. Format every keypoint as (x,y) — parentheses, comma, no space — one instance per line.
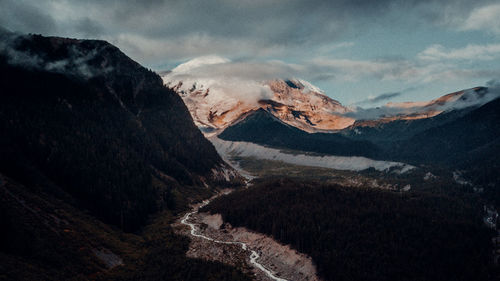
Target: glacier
(352,163)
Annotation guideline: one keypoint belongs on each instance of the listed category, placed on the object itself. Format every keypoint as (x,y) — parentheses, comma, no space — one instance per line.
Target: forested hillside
(367,234)
(79,117)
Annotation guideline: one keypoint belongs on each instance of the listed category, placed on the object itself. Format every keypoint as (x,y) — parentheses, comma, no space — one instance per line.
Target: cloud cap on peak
(199,62)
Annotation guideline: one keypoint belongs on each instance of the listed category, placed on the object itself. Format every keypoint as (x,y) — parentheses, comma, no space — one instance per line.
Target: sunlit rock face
(300,104)
(295,102)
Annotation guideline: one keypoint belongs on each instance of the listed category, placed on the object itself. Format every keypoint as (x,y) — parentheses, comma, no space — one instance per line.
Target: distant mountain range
(433,139)
(295,102)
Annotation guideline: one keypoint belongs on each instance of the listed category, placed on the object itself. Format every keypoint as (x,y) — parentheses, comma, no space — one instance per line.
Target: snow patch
(355,163)
(308,87)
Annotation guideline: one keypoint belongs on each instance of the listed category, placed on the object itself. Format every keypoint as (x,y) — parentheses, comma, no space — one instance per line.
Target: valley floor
(254,253)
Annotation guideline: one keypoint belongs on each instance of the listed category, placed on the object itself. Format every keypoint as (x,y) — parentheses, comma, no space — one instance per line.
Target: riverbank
(254,253)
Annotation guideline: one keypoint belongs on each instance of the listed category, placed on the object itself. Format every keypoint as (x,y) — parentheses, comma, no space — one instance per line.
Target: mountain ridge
(117,117)
(262,127)
(217,102)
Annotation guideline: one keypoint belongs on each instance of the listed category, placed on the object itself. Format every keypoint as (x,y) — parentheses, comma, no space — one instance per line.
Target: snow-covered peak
(216,98)
(457,100)
(423,109)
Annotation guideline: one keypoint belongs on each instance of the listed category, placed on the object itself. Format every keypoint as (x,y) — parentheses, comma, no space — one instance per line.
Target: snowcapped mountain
(217,102)
(302,105)
(294,102)
(468,98)
(219,93)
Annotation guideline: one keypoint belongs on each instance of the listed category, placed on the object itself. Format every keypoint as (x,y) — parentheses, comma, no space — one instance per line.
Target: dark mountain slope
(400,129)
(263,128)
(90,140)
(44,238)
(470,144)
(455,141)
(81,120)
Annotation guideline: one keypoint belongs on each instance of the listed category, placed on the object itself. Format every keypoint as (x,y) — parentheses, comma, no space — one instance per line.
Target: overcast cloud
(346,46)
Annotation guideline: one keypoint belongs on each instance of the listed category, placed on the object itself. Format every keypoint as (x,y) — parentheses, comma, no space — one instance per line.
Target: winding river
(254,256)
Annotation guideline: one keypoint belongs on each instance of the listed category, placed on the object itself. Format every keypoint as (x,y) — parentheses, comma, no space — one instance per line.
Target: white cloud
(154,50)
(383,70)
(220,68)
(456,74)
(75,63)
(199,62)
(332,47)
(244,79)
(227,80)
(470,52)
(484,18)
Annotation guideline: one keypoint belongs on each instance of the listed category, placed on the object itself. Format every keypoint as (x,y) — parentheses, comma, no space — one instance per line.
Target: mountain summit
(291,101)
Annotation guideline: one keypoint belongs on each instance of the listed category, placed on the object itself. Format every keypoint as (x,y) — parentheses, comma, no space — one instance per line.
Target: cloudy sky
(361,52)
